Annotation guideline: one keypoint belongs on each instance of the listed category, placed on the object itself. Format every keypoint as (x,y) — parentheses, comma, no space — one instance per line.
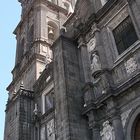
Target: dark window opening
(124,35)
(137,130)
(49,101)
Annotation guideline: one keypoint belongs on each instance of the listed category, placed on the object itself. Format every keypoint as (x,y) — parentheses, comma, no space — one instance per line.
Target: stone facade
(81,82)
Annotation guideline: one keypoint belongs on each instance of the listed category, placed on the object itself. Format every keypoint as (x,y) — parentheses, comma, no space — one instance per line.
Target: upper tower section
(66,4)
(39,27)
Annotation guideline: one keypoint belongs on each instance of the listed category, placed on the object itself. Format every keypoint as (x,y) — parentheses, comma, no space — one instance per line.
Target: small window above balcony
(125,35)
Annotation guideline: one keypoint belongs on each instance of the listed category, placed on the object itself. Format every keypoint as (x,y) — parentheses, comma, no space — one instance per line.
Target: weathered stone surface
(83,88)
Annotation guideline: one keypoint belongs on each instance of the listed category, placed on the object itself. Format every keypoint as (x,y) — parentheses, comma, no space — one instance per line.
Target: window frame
(122,39)
(47,108)
(46,92)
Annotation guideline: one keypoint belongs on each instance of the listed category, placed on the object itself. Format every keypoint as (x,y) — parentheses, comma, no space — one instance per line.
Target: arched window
(133,125)
(52,31)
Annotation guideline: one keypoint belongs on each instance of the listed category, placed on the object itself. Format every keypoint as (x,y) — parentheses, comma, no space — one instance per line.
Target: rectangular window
(124,35)
(49,101)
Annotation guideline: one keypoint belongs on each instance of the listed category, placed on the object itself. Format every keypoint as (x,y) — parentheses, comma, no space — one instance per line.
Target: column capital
(94,28)
(81,42)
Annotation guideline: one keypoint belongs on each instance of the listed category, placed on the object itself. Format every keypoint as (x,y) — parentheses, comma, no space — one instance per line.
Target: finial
(36,110)
(21,85)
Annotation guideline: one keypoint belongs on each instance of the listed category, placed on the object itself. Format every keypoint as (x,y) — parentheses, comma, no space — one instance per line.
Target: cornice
(25,67)
(23,18)
(115,92)
(94,18)
(45,78)
(51,5)
(21,93)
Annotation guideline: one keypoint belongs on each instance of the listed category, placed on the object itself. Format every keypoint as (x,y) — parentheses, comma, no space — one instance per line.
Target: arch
(137,128)
(132,123)
(53,30)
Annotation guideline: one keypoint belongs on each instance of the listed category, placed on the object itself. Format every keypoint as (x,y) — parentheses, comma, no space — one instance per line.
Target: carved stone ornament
(121,15)
(48,56)
(94,28)
(50,130)
(48,60)
(95,62)
(91,44)
(124,117)
(130,65)
(108,132)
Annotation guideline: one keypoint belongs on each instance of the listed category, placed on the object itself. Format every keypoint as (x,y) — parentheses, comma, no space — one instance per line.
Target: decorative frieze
(118,18)
(130,65)
(50,130)
(91,44)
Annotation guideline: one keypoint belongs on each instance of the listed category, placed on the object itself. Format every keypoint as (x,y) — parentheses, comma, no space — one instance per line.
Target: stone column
(85,59)
(67,91)
(96,133)
(118,129)
(93,124)
(114,114)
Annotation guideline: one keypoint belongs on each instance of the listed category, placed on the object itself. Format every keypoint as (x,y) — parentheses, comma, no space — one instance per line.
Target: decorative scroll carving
(108,132)
(50,130)
(48,59)
(124,117)
(130,65)
(91,44)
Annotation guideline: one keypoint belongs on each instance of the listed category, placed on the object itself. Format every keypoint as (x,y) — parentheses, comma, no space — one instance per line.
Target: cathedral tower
(38,28)
(35,33)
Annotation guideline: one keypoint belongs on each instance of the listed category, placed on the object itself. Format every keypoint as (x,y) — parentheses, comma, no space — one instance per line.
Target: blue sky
(9,18)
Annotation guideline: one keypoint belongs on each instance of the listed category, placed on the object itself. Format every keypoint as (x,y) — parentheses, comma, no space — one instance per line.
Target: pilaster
(115,118)
(85,59)
(70,124)
(94,124)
